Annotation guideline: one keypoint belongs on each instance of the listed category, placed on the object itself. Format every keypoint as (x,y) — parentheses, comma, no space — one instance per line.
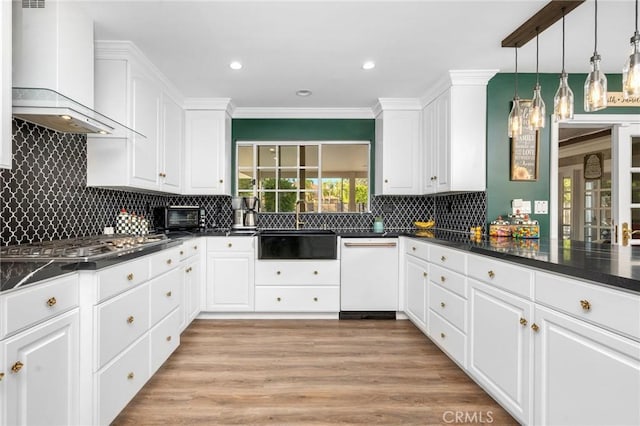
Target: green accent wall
(501,190)
(294,129)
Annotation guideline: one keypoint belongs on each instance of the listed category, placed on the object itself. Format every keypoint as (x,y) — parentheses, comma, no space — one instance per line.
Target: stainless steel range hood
(55,111)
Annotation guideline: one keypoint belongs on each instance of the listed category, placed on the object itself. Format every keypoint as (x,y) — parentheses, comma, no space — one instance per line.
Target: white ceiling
(321,45)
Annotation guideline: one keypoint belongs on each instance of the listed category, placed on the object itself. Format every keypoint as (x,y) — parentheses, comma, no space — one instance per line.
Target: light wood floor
(308,372)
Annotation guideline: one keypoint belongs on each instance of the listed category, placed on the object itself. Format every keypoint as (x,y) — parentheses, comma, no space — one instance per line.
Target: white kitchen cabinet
(500,347)
(230,274)
(131,90)
(454,134)
(207,169)
(5,86)
(41,375)
(192,291)
(417,279)
(585,375)
(398,151)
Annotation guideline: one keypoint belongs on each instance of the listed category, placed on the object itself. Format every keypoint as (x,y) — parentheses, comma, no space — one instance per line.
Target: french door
(626,157)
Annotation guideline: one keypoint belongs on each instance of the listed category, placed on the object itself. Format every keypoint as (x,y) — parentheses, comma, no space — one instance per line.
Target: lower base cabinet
(41,385)
(297,298)
(416,276)
(584,375)
(230,274)
(500,350)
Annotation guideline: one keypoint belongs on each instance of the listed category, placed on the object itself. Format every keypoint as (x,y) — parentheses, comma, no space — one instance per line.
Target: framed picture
(524,155)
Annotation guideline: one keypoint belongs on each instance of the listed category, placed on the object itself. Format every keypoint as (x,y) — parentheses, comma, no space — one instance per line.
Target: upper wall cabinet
(131,90)
(397,147)
(5,85)
(207,149)
(454,134)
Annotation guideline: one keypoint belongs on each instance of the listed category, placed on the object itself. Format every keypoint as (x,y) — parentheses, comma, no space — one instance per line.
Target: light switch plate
(540,207)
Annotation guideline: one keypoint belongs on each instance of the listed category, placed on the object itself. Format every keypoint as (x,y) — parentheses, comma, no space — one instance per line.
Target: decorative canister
(500,228)
(122,222)
(525,228)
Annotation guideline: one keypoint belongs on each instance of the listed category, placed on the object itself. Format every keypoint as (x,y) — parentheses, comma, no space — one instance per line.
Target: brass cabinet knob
(195,247)
(386,181)
(442,335)
(169,294)
(168,338)
(277,272)
(130,277)
(130,376)
(443,258)
(491,274)
(585,305)
(168,261)
(221,181)
(442,304)
(229,245)
(535,327)
(315,272)
(1,376)
(52,301)
(278,299)
(160,174)
(442,278)
(424,274)
(181,252)
(523,321)
(315,299)
(130,319)
(413,248)
(17,366)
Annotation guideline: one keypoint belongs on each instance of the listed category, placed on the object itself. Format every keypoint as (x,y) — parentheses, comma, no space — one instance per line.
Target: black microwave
(178,218)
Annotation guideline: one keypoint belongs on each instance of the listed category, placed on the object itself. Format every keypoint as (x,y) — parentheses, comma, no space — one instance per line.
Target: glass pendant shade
(537,111)
(515,119)
(631,70)
(563,100)
(595,87)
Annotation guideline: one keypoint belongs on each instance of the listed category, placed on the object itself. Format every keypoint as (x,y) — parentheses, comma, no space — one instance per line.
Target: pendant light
(631,70)
(563,100)
(515,116)
(595,86)
(537,109)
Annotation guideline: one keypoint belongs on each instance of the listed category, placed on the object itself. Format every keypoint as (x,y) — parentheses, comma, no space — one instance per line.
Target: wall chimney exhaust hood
(53,68)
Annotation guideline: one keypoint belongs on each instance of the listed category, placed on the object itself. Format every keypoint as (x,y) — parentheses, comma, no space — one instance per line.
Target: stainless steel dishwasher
(368,278)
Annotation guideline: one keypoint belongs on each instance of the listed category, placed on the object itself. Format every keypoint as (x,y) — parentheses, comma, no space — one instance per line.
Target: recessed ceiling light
(65,117)
(369,65)
(235,65)
(303,92)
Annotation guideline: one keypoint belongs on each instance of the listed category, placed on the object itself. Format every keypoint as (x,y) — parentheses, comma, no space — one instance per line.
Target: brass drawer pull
(442,304)
(168,261)
(1,376)
(277,272)
(278,299)
(491,274)
(130,376)
(442,335)
(585,305)
(130,319)
(229,245)
(424,274)
(443,258)
(413,248)
(315,272)
(168,338)
(535,327)
(523,321)
(169,294)
(181,252)
(17,366)
(315,299)
(52,301)
(195,247)
(442,278)
(130,277)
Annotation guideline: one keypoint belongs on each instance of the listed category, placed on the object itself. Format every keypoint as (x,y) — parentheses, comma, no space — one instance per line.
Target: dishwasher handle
(388,244)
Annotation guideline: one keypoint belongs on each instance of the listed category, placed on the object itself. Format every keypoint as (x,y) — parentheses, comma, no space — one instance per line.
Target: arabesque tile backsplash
(45,197)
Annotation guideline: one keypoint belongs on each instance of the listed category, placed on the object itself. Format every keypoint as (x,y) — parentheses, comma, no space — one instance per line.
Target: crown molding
(218,104)
(281,112)
(457,78)
(396,104)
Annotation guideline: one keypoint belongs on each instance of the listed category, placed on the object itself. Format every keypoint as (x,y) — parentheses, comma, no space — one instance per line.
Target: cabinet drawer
(120,321)
(501,274)
(165,338)
(120,381)
(23,308)
(165,261)
(452,259)
(449,338)
(122,277)
(230,243)
(450,280)
(190,248)
(450,306)
(617,310)
(298,272)
(416,248)
(165,293)
(297,299)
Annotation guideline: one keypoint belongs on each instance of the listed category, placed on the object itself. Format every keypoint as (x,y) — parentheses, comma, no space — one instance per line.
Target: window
(327,176)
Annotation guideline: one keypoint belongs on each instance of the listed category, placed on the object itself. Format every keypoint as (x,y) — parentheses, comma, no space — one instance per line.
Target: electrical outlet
(541,207)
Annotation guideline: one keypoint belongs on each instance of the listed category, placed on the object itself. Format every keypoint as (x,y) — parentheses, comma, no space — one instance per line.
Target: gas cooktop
(80,249)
